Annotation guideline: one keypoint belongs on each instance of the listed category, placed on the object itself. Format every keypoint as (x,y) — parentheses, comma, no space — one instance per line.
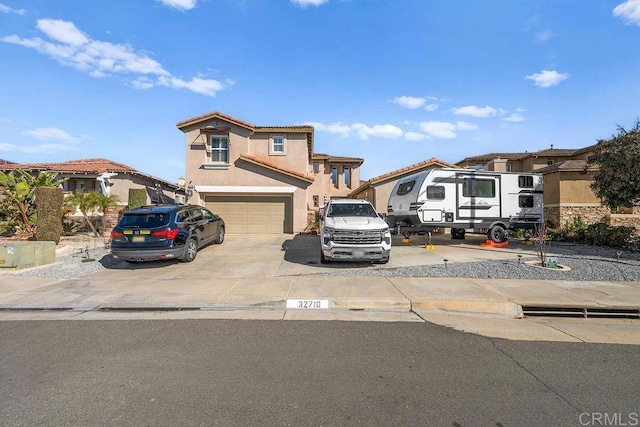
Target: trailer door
(478,196)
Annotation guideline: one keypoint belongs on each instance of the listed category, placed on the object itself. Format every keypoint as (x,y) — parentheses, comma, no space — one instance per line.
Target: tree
(19,188)
(617,180)
(104,202)
(86,203)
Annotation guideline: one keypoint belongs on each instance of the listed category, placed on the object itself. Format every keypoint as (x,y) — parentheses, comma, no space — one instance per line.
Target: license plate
(137,239)
(308,304)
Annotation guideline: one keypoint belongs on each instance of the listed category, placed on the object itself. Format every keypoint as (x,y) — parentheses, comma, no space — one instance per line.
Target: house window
(219,149)
(277,144)
(435,192)
(316,167)
(549,162)
(525,181)
(525,201)
(508,166)
(347,176)
(478,188)
(591,158)
(316,201)
(334,176)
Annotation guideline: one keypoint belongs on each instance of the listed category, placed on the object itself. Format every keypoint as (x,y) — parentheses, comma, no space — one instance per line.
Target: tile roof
(96,166)
(212,115)
(269,164)
(568,166)
(337,158)
(242,123)
(85,166)
(548,152)
(401,172)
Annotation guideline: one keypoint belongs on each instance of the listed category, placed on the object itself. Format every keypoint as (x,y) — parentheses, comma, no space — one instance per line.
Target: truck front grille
(357,237)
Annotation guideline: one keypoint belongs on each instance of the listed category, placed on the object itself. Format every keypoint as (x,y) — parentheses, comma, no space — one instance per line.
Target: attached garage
(253,214)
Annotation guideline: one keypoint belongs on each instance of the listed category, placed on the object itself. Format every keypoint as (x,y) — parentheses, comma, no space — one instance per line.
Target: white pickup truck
(351,230)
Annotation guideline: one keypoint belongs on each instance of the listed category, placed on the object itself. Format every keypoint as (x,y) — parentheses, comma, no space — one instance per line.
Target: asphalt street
(241,372)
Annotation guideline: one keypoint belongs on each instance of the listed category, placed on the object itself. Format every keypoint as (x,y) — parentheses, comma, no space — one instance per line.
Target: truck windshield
(355,209)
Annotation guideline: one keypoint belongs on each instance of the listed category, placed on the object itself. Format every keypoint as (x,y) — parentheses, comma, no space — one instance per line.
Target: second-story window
(219,149)
(347,176)
(277,144)
(334,176)
(316,167)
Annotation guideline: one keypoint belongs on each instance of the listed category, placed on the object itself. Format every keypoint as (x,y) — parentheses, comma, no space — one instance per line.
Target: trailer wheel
(498,234)
(457,233)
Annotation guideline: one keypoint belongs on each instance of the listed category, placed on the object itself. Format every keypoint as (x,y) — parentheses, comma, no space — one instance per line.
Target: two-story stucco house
(261,179)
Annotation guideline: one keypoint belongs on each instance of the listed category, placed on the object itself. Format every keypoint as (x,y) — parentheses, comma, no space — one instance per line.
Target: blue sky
(393,81)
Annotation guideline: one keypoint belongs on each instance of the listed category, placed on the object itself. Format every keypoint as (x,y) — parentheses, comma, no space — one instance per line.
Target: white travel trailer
(466,198)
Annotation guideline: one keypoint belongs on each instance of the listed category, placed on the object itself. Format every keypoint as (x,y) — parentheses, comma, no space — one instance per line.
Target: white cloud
(337,128)
(378,131)
(465,126)
(431,107)
(547,78)
(543,36)
(52,133)
(445,130)
(180,4)
(514,118)
(629,11)
(305,3)
(473,111)
(71,47)
(7,9)
(409,102)
(415,136)
(44,148)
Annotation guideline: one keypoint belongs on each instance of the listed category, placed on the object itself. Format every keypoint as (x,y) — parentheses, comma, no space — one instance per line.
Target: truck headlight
(327,234)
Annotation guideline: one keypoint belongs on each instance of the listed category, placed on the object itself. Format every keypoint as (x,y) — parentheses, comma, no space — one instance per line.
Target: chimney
(552,146)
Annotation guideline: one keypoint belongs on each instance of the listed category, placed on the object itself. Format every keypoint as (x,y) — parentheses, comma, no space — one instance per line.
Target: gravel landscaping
(586,263)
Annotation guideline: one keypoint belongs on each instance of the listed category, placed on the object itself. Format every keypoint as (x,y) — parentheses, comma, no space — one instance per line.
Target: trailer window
(405,187)
(525,201)
(435,192)
(525,181)
(478,188)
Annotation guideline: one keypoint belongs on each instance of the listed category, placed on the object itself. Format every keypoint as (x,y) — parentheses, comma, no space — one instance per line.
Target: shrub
(137,197)
(48,207)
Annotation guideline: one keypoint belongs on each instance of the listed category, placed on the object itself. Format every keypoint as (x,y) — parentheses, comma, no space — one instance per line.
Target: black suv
(165,232)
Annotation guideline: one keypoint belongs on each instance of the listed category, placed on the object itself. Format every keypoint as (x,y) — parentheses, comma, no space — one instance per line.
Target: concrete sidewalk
(486,306)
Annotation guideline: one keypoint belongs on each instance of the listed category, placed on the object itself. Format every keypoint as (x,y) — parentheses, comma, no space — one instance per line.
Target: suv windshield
(353,209)
(147,220)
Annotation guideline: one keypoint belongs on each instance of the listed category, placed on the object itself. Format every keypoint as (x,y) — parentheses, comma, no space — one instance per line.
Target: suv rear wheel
(190,250)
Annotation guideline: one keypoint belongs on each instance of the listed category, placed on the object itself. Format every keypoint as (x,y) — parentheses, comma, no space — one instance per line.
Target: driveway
(281,255)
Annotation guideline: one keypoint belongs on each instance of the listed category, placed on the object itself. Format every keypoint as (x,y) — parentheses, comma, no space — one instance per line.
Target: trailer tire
(457,233)
(497,234)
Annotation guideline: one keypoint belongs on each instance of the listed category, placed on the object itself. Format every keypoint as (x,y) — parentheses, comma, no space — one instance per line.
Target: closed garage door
(253,214)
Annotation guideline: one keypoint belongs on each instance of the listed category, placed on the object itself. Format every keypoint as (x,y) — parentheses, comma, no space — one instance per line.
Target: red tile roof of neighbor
(96,166)
(569,166)
(267,163)
(83,166)
(548,152)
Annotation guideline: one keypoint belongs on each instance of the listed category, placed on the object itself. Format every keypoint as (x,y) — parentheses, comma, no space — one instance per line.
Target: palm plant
(86,202)
(104,202)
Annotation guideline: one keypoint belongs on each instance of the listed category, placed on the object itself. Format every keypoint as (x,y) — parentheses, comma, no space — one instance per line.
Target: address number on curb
(308,304)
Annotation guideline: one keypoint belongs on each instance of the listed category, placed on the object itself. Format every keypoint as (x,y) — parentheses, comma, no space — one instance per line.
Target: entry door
(478,196)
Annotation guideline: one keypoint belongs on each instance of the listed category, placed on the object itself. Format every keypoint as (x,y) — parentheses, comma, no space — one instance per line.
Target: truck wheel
(498,234)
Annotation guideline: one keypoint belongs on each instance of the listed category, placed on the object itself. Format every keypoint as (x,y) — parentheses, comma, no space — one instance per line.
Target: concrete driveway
(281,255)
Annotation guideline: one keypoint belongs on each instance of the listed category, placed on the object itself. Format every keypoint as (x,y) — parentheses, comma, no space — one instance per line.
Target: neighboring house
(261,179)
(377,190)
(567,184)
(102,175)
